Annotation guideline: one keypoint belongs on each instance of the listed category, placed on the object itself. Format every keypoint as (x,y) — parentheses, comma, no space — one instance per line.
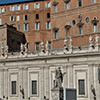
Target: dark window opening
(25,17)
(13,87)
(48,15)
(79,3)
(37,16)
(34,87)
(81,84)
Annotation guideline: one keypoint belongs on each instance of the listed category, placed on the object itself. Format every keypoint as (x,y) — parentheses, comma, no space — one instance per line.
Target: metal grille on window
(13,87)
(81,84)
(34,87)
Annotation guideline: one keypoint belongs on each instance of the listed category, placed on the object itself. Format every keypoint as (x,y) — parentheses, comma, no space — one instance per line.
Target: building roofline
(17,2)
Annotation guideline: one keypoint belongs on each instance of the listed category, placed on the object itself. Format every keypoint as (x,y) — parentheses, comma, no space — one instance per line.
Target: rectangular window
(26,17)
(13,87)
(55,8)
(37,46)
(34,87)
(26,7)
(93,1)
(18,18)
(67,6)
(12,8)
(37,16)
(80,30)
(48,5)
(95,28)
(56,35)
(37,26)
(79,3)
(48,15)
(26,27)
(18,7)
(2,10)
(48,25)
(81,86)
(37,6)
(12,18)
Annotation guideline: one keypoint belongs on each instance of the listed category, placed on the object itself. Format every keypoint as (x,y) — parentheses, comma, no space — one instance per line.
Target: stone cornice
(51,57)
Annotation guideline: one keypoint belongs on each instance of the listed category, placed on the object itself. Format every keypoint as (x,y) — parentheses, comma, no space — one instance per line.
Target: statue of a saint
(90,39)
(22,48)
(96,39)
(58,77)
(26,48)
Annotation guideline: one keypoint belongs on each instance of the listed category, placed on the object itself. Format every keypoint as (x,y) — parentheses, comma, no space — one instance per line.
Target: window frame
(55,35)
(18,7)
(25,7)
(12,8)
(18,18)
(94,1)
(37,25)
(80,91)
(37,5)
(67,6)
(48,5)
(80,30)
(13,88)
(55,8)
(26,26)
(48,25)
(79,1)
(37,44)
(95,28)
(12,20)
(26,17)
(32,88)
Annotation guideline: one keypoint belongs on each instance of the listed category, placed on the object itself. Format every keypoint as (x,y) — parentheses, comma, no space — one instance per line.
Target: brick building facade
(31,17)
(76,18)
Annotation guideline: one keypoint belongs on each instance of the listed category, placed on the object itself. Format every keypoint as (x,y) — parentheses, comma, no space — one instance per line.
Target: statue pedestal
(57,93)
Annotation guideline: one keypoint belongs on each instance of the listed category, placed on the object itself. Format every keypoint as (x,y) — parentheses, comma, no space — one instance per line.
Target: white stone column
(47,83)
(65,78)
(25,83)
(96,82)
(1,83)
(41,83)
(5,83)
(20,82)
(90,80)
(70,76)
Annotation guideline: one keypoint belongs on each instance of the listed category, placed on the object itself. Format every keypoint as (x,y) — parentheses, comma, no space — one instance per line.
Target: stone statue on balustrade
(91,46)
(42,47)
(65,44)
(58,78)
(6,51)
(96,42)
(22,49)
(2,51)
(91,40)
(26,48)
(96,39)
(47,48)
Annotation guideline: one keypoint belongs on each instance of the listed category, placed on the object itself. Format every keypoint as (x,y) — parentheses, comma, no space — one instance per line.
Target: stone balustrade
(68,49)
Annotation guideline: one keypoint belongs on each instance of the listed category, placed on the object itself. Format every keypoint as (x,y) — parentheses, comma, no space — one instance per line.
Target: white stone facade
(42,69)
